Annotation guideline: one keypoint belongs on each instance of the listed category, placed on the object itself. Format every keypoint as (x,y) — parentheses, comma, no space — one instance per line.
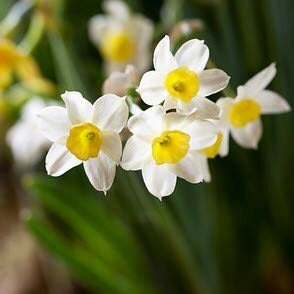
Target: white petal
(27,144)
(224,147)
(176,121)
(136,152)
(59,160)
(203,164)
(202,107)
(272,102)
(261,80)
(202,134)
(248,136)
(32,108)
(158,179)
(170,103)
(212,81)
(148,122)
(188,168)
(133,107)
(152,88)
(111,146)
(53,122)
(242,92)
(100,171)
(78,108)
(193,54)
(98,26)
(187,108)
(117,9)
(163,59)
(110,113)
(225,105)
(143,33)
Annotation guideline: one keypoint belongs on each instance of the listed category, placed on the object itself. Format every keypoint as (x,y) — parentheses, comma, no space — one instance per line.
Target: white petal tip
(287,107)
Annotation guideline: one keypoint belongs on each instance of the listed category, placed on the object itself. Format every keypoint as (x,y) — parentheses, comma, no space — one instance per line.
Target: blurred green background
(233,235)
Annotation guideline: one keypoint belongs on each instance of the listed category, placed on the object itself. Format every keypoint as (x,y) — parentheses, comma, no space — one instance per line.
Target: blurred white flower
(85,133)
(241,116)
(24,138)
(119,83)
(122,37)
(181,81)
(166,146)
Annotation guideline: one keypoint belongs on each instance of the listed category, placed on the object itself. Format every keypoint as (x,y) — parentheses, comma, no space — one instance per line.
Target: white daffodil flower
(122,37)
(24,138)
(181,81)
(85,133)
(166,146)
(241,116)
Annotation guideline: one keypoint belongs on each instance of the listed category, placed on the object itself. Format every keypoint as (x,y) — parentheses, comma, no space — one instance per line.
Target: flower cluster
(172,138)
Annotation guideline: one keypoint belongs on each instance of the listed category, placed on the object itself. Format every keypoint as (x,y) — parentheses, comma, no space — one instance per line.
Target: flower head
(181,81)
(121,36)
(85,133)
(166,146)
(241,116)
(26,141)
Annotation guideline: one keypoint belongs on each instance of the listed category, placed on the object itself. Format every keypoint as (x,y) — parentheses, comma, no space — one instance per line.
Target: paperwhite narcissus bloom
(166,146)
(181,81)
(241,116)
(26,141)
(122,37)
(85,133)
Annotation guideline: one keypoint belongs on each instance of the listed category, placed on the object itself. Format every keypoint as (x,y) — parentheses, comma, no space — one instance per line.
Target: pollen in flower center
(84,141)
(118,47)
(243,112)
(182,83)
(212,151)
(170,147)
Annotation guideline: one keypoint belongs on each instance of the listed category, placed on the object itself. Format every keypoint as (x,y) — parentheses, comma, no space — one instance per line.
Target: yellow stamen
(182,84)
(243,112)
(117,47)
(84,141)
(212,151)
(170,147)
